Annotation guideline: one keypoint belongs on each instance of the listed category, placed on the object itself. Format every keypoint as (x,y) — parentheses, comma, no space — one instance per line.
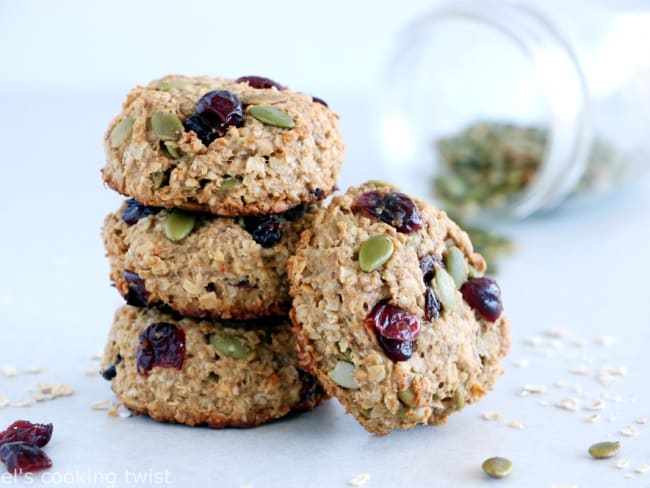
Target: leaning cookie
(391,311)
(230,147)
(201,265)
(205,372)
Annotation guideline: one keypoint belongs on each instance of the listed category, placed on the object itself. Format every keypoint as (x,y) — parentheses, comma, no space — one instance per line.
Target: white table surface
(585,270)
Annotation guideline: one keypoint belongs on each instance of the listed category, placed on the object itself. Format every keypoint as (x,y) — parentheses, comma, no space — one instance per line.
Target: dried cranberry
(23,457)
(137,294)
(394,208)
(259,82)
(220,109)
(396,330)
(25,431)
(162,345)
(484,296)
(428,265)
(310,388)
(266,230)
(135,211)
(109,373)
(319,100)
(203,132)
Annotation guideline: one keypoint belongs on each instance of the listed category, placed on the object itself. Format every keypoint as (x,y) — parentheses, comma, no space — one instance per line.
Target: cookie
(223,268)
(230,147)
(196,372)
(392,312)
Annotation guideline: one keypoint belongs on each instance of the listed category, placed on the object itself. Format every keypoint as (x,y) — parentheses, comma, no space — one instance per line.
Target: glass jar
(503,109)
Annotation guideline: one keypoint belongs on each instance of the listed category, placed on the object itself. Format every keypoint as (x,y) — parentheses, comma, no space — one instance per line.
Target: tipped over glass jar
(501,109)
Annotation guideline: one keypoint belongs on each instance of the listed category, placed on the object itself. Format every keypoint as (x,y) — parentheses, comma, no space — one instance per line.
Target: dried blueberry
(203,132)
(161,345)
(484,296)
(266,230)
(134,211)
(136,295)
(109,373)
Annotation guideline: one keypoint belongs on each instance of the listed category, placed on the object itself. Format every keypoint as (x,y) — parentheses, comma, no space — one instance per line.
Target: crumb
(101,405)
(491,416)
(537,389)
(568,403)
(622,463)
(629,431)
(642,468)
(54,390)
(593,417)
(580,371)
(598,405)
(360,480)
(23,403)
(516,425)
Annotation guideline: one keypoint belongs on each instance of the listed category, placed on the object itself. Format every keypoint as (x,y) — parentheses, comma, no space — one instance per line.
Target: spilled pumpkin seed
(374,252)
(166,125)
(604,450)
(497,467)
(271,116)
(122,131)
(179,224)
(342,375)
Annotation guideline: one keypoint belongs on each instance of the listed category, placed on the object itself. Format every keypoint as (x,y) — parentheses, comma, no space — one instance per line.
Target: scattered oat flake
(642,468)
(491,416)
(642,420)
(22,403)
(114,410)
(598,405)
(593,417)
(360,480)
(537,389)
(101,405)
(9,371)
(522,363)
(580,370)
(568,403)
(54,390)
(622,463)
(629,431)
(516,425)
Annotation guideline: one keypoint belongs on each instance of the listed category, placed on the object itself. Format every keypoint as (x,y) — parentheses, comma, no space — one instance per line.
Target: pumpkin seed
(374,252)
(157,179)
(166,125)
(456,265)
(604,450)
(407,397)
(166,85)
(445,288)
(179,224)
(459,399)
(497,467)
(122,131)
(410,414)
(271,116)
(229,183)
(231,347)
(171,149)
(342,375)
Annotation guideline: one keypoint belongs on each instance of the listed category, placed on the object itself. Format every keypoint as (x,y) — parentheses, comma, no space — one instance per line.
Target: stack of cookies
(222,177)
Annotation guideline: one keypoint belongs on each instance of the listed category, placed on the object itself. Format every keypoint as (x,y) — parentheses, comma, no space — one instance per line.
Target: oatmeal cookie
(206,372)
(230,147)
(392,312)
(223,268)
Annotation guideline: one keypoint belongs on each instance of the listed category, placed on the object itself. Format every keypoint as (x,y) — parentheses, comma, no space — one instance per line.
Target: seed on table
(497,467)
(375,252)
(604,450)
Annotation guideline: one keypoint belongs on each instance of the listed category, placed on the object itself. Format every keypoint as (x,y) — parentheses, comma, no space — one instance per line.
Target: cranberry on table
(260,82)
(266,230)
(161,345)
(22,457)
(394,208)
(396,329)
(484,296)
(23,430)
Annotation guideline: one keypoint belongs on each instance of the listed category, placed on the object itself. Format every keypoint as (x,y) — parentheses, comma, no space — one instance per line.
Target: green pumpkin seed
(122,131)
(158,179)
(166,126)
(407,397)
(171,150)
(459,400)
(179,224)
(366,412)
(410,414)
(342,375)
(497,467)
(604,450)
(229,183)
(445,288)
(374,252)
(456,265)
(271,116)
(231,347)
(166,85)
(347,355)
